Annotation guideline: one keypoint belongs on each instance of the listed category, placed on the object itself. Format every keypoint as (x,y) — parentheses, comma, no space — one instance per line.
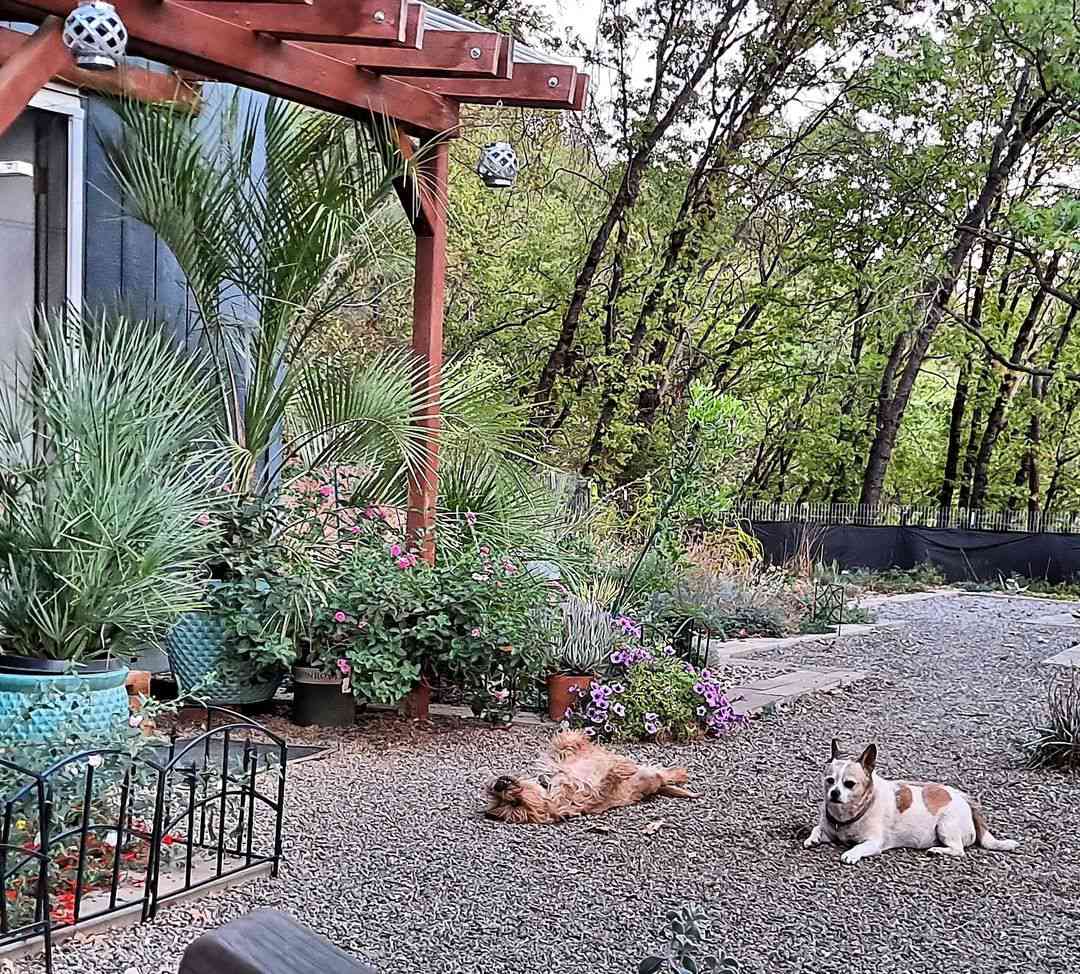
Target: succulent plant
(586,637)
(685,930)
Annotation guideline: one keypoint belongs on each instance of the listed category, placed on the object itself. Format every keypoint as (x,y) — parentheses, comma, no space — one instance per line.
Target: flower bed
(649,693)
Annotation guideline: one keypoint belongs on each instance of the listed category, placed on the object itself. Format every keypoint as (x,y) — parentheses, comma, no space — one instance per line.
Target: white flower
(95,760)
(133,721)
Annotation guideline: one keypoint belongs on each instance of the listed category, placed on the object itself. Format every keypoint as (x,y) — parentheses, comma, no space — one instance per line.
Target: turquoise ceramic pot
(196,646)
(99,699)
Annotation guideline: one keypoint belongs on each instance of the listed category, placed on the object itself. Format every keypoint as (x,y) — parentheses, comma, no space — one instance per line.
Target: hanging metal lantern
(95,35)
(498,165)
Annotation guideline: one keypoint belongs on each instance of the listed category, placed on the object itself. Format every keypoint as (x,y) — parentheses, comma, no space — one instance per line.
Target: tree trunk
(959,407)
(1015,135)
(956,435)
(625,199)
(996,421)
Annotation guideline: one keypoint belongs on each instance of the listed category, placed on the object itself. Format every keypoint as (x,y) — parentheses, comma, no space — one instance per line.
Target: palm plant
(107,463)
(275,215)
(271,212)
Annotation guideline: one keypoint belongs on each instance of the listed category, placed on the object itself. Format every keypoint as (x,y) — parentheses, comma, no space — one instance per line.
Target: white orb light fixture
(498,165)
(95,35)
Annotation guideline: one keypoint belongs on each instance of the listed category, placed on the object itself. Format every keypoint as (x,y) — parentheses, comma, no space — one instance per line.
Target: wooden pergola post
(432,182)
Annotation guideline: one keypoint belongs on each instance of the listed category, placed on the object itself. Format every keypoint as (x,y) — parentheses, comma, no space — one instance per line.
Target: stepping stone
(1064,619)
(1068,657)
(267,942)
(764,694)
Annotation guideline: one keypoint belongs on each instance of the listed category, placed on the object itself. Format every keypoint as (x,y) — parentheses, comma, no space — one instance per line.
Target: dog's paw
(809,842)
(850,857)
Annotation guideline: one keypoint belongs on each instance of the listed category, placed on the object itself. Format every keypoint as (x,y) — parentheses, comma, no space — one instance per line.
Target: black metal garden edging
(107,830)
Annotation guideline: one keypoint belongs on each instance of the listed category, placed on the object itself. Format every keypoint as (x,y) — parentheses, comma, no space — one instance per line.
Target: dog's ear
(835,749)
(868,758)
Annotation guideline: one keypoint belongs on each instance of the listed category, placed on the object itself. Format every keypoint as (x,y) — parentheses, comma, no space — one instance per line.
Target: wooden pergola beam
(340,21)
(445,53)
(156,87)
(33,64)
(187,38)
(552,86)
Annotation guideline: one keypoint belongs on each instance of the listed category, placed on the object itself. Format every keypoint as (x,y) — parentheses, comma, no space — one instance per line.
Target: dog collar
(837,824)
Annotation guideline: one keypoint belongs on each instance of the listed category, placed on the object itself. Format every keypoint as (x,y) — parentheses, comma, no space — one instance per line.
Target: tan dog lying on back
(872,814)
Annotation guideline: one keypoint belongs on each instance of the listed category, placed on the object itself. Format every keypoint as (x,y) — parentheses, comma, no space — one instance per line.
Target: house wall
(127,267)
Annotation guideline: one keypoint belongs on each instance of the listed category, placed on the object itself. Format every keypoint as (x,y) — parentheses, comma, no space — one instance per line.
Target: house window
(41,217)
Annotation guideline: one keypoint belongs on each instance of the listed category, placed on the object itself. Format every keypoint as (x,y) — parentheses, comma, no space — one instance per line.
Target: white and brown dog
(871,814)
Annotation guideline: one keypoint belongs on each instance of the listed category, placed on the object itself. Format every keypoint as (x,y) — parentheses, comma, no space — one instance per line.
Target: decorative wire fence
(108,830)
(893,515)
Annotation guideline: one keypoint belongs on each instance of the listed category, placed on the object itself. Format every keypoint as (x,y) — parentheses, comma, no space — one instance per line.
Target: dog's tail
(674,779)
(985,838)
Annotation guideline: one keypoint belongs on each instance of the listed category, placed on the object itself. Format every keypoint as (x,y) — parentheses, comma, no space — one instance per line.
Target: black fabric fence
(962,555)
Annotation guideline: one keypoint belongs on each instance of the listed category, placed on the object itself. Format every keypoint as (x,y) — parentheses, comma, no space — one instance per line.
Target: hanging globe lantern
(498,165)
(95,35)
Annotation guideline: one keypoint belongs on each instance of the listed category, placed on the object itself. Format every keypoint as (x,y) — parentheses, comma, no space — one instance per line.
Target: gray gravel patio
(387,855)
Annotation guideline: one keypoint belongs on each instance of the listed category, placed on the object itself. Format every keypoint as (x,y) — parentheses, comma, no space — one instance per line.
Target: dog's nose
(501,784)
(834,795)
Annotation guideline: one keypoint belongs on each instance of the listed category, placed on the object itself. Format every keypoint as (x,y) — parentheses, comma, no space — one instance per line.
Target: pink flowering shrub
(474,618)
(650,694)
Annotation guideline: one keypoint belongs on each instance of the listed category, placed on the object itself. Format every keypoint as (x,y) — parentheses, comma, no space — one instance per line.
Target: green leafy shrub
(263,583)
(892,581)
(684,954)
(476,617)
(651,694)
(1055,742)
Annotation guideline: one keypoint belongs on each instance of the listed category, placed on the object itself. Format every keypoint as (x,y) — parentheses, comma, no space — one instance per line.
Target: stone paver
(1067,657)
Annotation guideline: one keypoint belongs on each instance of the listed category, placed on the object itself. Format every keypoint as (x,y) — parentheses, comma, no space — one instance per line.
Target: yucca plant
(108,458)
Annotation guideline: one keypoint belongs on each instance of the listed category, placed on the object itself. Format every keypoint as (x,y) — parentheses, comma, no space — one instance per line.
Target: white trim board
(65,100)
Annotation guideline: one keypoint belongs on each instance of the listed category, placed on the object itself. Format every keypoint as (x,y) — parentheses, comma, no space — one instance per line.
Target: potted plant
(586,636)
(241,644)
(104,472)
(321,676)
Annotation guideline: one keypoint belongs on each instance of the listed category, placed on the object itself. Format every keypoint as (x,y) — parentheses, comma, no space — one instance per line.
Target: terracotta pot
(416,702)
(559,696)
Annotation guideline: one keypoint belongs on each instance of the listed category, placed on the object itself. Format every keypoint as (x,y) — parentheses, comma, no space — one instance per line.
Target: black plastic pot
(320,700)
(56,667)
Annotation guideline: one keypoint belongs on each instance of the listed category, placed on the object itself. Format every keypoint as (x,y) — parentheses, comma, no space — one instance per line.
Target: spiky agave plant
(108,457)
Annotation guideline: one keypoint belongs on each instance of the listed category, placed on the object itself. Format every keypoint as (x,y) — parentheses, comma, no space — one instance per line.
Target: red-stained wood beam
(40,56)
(445,53)
(532,86)
(190,40)
(343,21)
(429,292)
(158,87)
(581,93)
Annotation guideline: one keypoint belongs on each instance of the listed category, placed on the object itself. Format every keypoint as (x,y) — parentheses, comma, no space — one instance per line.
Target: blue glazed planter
(197,651)
(100,701)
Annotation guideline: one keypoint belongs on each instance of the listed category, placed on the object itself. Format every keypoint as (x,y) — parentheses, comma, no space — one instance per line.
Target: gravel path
(387,856)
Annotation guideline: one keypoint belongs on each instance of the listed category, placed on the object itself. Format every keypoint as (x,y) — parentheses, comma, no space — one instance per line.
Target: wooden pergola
(402,60)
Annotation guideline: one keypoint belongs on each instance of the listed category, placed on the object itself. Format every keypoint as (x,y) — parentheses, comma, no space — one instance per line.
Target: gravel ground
(386,853)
